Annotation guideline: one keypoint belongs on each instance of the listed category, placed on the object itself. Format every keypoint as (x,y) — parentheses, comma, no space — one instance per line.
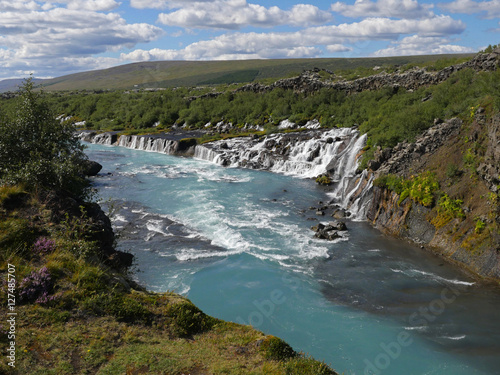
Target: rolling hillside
(193,73)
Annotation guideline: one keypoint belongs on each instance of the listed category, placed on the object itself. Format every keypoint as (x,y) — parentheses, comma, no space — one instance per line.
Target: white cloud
(304,43)
(58,38)
(93,5)
(488,9)
(334,48)
(416,45)
(234,14)
(385,28)
(408,9)
(10,6)
(171,4)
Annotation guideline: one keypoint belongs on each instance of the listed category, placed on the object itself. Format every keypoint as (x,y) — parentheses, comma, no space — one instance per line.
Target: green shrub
(189,319)
(480,225)
(323,180)
(448,209)
(451,207)
(453,171)
(277,349)
(391,182)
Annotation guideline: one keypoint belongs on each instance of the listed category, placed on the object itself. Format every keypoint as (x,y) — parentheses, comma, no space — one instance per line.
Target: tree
(39,151)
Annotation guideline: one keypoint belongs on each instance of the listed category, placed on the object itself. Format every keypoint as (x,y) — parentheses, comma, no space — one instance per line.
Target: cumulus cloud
(234,14)
(10,6)
(171,4)
(93,5)
(59,37)
(408,9)
(488,9)
(417,45)
(308,42)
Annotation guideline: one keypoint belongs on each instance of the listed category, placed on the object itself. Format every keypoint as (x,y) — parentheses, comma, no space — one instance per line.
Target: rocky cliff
(464,158)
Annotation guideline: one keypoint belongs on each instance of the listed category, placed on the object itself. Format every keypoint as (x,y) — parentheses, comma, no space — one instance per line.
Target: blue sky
(51,39)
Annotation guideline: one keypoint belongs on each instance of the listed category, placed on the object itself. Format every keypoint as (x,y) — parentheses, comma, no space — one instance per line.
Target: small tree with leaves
(39,151)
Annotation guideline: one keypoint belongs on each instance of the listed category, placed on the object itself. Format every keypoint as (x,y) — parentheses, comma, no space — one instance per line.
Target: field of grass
(194,73)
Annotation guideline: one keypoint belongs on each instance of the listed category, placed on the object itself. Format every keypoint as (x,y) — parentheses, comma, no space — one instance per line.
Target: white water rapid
(305,154)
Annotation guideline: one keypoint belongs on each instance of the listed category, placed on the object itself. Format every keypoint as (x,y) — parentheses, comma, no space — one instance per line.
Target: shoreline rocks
(329,231)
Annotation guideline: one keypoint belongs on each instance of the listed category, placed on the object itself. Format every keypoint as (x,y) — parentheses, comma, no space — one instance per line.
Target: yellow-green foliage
(420,188)
(323,180)
(480,225)
(447,210)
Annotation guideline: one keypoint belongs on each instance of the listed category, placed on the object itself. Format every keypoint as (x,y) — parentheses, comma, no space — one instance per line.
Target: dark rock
(337,225)
(373,165)
(91,168)
(339,214)
(320,213)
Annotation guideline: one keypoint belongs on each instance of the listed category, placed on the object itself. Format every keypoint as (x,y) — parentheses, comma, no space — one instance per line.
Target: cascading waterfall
(302,154)
(151,144)
(99,139)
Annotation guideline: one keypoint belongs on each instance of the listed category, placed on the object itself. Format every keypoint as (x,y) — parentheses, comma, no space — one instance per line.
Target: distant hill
(159,74)
(13,84)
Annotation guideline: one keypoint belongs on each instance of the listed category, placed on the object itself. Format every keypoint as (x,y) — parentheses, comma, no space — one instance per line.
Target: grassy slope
(96,321)
(192,73)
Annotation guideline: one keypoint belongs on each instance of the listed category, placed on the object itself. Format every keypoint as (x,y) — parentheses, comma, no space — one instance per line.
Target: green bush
(480,225)
(453,171)
(277,349)
(451,207)
(189,319)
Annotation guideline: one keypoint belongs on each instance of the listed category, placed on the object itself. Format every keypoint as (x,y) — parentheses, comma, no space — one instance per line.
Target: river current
(238,243)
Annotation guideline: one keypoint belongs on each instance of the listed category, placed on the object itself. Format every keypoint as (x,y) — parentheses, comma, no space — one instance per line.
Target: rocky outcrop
(489,167)
(400,159)
(91,168)
(458,239)
(97,225)
(310,81)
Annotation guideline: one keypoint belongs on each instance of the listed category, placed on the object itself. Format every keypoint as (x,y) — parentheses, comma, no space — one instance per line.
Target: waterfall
(101,139)
(304,154)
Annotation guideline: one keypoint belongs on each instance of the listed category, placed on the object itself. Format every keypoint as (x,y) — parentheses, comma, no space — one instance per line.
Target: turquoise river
(238,243)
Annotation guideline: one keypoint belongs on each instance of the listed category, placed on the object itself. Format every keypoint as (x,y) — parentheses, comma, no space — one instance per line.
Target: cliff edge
(442,191)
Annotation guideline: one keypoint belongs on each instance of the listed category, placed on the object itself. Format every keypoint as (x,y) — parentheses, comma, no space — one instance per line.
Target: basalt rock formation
(465,160)
(310,81)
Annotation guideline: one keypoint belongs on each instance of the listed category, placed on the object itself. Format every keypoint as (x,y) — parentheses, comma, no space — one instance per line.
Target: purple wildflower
(44,245)
(37,287)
